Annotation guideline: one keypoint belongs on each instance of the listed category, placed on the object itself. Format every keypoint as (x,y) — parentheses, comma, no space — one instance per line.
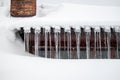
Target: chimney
(23,8)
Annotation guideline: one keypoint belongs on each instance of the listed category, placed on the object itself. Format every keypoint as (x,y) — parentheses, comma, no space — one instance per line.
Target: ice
(46,43)
(37,43)
(16,64)
(88,44)
(78,44)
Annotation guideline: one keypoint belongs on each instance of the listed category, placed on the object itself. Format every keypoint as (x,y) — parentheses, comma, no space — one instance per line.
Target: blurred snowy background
(89,2)
(16,64)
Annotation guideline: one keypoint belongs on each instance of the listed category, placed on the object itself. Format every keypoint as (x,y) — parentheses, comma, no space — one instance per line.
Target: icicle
(88,44)
(68,43)
(117,44)
(78,44)
(56,44)
(95,45)
(87,34)
(50,44)
(106,47)
(37,42)
(59,45)
(46,43)
(100,45)
(118,41)
(64,46)
(108,43)
(40,52)
(26,38)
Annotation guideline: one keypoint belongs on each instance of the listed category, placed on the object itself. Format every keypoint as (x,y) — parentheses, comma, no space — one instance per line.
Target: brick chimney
(23,8)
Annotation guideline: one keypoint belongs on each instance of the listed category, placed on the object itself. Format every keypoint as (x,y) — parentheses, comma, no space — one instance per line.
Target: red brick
(23,8)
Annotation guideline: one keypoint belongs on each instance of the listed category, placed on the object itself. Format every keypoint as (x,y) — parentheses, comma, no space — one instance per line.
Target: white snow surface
(16,64)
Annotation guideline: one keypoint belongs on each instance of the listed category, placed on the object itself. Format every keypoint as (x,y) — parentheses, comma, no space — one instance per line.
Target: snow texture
(16,64)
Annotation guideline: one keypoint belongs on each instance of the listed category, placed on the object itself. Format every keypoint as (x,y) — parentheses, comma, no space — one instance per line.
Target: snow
(16,64)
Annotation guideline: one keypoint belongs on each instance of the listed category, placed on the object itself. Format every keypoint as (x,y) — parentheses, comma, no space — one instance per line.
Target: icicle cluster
(72,43)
